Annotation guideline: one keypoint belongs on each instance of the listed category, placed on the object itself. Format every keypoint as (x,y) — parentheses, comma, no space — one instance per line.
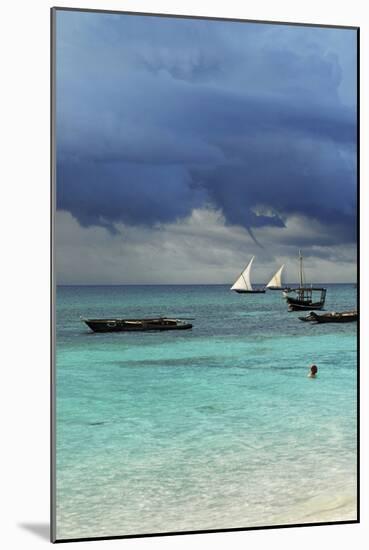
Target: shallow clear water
(210,428)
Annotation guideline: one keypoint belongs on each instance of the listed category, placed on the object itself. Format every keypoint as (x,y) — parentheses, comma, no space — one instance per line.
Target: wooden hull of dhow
(255,291)
(308,298)
(280,288)
(296,305)
(135,325)
(333,317)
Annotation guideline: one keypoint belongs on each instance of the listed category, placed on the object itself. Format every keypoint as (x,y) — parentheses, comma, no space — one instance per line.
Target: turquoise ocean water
(215,427)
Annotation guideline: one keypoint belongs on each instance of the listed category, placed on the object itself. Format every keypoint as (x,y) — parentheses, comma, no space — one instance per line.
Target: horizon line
(199,284)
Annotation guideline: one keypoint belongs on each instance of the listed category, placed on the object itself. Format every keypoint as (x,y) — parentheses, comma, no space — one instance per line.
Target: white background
(24,298)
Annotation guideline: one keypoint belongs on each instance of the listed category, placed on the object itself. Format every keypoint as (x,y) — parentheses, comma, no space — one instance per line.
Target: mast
(301,276)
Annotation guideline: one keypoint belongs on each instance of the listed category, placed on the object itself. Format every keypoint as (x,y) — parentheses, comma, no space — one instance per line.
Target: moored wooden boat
(136,325)
(331,317)
(304,297)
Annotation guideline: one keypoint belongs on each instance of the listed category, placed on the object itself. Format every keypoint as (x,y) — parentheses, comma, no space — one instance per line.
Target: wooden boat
(305,297)
(136,325)
(275,282)
(243,285)
(332,317)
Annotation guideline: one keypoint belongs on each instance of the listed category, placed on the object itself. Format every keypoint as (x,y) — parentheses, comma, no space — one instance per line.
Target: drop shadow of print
(42,530)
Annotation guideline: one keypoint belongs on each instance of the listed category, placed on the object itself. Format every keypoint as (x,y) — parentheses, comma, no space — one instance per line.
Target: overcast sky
(185,146)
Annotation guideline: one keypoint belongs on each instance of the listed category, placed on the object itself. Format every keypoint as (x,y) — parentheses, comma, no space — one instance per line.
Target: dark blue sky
(161,117)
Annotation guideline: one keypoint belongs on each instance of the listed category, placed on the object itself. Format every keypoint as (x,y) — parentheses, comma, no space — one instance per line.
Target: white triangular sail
(243,282)
(276,280)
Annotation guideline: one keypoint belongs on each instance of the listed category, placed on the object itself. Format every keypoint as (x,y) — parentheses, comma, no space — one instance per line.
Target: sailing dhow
(243,284)
(275,282)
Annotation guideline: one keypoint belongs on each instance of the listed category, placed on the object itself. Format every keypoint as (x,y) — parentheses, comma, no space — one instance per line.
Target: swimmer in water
(313,371)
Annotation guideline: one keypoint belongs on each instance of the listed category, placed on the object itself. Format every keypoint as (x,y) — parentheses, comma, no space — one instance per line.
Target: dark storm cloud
(156,117)
(111,192)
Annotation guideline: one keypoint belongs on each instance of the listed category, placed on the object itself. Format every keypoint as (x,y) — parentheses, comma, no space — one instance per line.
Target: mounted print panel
(205,367)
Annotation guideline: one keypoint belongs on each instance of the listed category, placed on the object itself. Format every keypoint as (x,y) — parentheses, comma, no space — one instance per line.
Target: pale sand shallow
(320,510)
(316,510)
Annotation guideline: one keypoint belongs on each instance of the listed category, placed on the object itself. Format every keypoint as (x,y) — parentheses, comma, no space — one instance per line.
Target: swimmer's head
(313,369)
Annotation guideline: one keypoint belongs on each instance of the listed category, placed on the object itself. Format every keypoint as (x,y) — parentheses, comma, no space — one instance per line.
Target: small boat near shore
(243,285)
(136,325)
(331,317)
